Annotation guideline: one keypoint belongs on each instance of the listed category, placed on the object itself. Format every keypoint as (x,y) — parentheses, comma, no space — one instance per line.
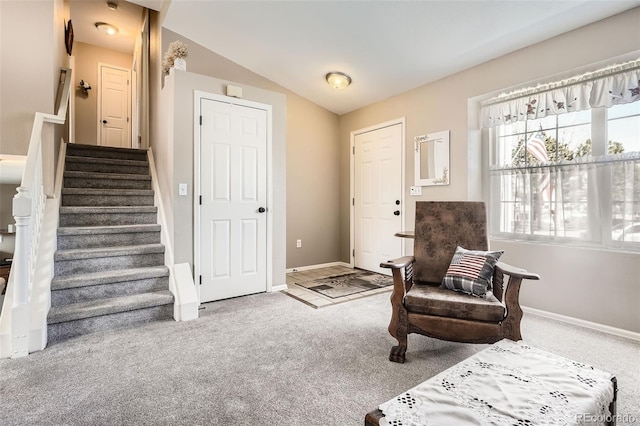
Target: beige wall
(312,160)
(7,191)
(566,288)
(29,65)
(172,118)
(87,58)
(177,149)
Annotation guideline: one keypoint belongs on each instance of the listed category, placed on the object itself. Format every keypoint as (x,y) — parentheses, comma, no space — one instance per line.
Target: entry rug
(346,285)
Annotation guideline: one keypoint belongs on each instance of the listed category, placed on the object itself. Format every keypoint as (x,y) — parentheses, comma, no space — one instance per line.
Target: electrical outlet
(299,243)
(415,190)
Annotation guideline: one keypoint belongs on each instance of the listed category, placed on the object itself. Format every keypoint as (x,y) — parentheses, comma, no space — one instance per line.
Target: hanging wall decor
(432,159)
(68,37)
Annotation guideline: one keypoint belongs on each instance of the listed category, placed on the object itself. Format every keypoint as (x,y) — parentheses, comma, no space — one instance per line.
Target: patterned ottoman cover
(508,383)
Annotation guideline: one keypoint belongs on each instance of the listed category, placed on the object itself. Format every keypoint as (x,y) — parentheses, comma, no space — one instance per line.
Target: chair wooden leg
(398,329)
(397,354)
(398,324)
(511,324)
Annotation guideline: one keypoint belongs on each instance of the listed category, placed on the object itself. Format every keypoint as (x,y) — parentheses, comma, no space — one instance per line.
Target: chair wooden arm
(401,284)
(517,272)
(399,263)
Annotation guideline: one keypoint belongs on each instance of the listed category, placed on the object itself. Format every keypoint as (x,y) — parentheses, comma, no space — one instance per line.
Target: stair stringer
(181,283)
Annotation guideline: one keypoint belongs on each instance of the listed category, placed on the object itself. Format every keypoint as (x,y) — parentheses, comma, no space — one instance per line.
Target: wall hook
(85,86)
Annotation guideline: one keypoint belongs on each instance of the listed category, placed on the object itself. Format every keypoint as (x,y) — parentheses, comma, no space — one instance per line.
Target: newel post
(20,272)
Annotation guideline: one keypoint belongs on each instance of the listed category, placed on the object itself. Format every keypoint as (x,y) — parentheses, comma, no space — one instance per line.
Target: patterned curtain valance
(617,84)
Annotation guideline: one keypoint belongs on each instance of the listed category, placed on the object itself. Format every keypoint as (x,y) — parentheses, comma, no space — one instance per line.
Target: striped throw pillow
(470,271)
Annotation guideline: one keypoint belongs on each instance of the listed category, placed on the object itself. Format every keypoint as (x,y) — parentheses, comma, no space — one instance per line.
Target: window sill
(633,248)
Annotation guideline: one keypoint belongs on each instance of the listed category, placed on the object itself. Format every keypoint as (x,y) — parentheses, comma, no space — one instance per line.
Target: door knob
(397,212)
(104,121)
(262,210)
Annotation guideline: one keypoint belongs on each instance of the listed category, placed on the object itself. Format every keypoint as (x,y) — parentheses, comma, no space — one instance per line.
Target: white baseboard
(322,265)
(582,323)
(278,288)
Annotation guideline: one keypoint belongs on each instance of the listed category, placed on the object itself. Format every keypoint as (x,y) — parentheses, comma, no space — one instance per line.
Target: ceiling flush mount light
(338,80)
(106,28)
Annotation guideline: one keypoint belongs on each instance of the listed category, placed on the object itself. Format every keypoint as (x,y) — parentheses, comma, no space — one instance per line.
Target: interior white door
(113,111)
(378,197)
(233,180)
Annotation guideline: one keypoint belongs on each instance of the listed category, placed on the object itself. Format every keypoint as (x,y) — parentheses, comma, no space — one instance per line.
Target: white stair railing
(28,211)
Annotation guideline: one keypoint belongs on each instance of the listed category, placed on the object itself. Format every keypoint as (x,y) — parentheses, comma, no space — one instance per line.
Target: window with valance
(565,159)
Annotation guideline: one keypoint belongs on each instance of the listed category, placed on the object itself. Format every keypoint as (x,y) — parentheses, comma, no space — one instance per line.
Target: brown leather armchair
(418,303)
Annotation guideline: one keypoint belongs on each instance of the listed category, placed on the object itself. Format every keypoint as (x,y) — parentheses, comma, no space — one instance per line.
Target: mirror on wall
(432,159)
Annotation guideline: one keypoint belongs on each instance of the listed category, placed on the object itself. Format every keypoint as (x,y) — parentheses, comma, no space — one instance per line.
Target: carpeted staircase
(109,266)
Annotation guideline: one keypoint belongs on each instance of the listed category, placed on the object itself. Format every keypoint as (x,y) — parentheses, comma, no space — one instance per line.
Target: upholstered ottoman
(508,383)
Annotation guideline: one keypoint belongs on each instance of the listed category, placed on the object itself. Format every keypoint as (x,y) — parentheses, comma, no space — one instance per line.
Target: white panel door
(233,180)
(114,107)
(378,197)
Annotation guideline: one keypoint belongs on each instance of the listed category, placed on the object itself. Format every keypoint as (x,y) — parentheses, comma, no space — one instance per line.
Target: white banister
(28,212)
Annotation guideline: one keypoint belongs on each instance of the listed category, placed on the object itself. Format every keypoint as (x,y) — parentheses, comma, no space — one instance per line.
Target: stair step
(75,179)
(106,165)
(106,216)
(109,269)
(113,229)
(76,319)
(108,284)
(106,152)
(107,236)
(109,277)
(106,197)
(77,311)
(75,261)
(107,252)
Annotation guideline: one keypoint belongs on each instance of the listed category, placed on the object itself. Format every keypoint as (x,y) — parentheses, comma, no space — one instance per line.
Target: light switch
(182,189)
(415,190)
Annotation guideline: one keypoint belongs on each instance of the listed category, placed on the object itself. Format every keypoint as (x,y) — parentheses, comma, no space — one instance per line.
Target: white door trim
(352,228)
(198,96)
(135,123)
(99,100)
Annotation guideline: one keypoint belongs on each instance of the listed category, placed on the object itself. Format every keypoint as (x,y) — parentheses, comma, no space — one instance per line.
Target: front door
(233,184)
(113,107)
(377,197)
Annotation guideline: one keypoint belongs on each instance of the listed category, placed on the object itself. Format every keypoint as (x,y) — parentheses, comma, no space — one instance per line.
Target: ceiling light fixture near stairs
(338,80)
(105,28)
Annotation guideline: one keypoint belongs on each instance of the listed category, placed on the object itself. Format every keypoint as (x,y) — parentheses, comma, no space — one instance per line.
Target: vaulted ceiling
(387,47)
